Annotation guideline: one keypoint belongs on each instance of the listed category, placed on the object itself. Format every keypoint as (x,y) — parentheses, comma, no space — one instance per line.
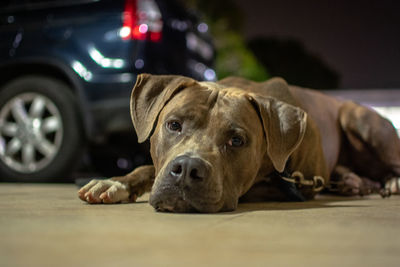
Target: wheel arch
(55,70)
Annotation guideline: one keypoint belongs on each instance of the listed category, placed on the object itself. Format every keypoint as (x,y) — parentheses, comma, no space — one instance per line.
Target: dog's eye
(236,141)
(174,126)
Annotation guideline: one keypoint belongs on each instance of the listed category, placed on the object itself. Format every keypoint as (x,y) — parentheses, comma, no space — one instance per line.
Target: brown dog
(213,143)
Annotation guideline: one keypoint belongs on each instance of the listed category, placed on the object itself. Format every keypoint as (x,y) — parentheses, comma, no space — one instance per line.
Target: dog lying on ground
(215,143)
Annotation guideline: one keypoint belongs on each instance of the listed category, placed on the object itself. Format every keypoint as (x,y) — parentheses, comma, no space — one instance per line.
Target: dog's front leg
(119,189)
(346,182)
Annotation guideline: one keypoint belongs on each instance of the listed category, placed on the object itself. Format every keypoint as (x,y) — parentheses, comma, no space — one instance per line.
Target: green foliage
(233,56)
(235,59)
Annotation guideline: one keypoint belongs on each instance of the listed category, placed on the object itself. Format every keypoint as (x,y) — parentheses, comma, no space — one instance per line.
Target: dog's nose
(188,169)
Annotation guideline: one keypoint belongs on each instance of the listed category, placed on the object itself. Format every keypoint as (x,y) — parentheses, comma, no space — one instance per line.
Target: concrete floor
(47,225)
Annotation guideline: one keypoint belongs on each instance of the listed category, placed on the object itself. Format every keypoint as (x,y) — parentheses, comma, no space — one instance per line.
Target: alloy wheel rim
(31,132)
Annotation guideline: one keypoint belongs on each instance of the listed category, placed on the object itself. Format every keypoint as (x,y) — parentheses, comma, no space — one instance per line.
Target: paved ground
(47,225)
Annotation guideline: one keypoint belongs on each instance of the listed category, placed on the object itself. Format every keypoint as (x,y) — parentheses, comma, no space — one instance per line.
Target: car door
(10,32)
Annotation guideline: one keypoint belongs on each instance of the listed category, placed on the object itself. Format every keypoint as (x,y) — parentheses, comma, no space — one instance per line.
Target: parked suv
(67,69)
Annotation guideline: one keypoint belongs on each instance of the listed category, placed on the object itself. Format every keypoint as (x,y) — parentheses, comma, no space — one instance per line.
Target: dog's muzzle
(184,178)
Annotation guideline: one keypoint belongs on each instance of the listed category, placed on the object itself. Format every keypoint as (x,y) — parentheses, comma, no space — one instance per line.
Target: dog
(215,143)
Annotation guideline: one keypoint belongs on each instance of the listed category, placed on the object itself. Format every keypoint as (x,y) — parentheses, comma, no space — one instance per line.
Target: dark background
(355,43)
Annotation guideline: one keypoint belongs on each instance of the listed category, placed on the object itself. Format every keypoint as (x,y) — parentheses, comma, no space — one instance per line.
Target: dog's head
(210,142)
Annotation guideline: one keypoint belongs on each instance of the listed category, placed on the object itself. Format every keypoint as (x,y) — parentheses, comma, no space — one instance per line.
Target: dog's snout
(188,169)
(184,175)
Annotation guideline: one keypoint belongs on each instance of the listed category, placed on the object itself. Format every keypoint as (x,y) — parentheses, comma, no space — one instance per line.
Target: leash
(317,183)
(291,183)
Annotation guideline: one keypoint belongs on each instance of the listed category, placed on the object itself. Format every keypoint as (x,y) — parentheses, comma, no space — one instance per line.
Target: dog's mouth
(167,197)
(177,205)
(173,199)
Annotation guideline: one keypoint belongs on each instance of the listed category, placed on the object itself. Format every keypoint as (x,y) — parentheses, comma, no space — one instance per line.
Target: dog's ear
(149,96)
(284,128)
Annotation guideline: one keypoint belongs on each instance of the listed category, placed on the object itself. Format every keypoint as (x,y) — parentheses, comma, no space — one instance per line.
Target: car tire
(41,131)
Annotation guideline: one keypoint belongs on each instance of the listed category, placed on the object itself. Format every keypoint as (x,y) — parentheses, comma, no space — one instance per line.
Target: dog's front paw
(104,191)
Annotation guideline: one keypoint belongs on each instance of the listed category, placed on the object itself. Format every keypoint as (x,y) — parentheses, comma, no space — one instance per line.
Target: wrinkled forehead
(191,101)
(225,105)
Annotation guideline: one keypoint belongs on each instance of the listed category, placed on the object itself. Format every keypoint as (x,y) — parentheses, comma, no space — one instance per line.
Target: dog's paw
(104,191)
(351,184)
(393,185)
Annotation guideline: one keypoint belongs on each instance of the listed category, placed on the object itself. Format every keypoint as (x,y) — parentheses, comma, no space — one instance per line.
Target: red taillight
(128,18)
(139,32)
(141,21)
(155,36)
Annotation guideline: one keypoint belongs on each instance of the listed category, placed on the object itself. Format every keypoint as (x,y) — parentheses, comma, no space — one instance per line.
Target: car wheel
(41,134)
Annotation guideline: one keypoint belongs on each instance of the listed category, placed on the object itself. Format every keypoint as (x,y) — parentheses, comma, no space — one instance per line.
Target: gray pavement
(47,225)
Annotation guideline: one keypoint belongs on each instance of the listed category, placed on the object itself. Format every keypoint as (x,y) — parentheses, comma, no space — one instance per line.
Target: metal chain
(298,179)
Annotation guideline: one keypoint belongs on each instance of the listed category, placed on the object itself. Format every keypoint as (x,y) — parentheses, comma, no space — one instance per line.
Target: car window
(5,4)
(12,5)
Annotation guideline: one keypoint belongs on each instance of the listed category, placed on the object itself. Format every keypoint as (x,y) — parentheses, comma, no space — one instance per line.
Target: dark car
(67,69)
